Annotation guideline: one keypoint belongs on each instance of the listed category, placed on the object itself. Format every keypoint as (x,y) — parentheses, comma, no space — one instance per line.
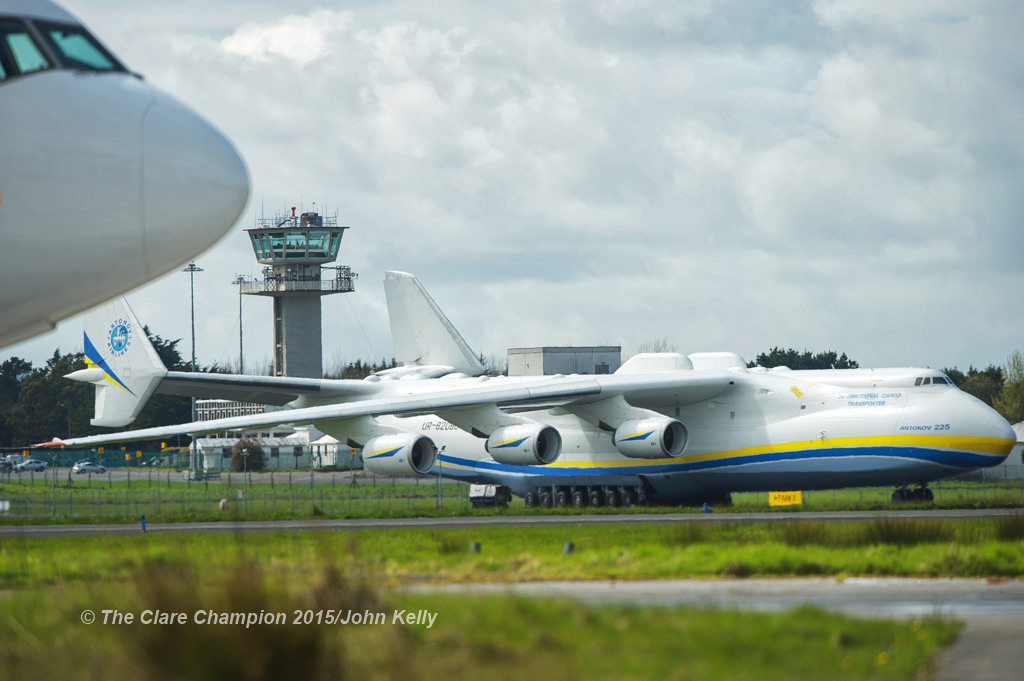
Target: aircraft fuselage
(770,430)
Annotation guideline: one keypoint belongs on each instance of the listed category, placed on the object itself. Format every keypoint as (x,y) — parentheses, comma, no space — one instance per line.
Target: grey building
(546,361)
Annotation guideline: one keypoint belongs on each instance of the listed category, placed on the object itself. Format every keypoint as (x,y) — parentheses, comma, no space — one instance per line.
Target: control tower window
(18,52)
(77,49)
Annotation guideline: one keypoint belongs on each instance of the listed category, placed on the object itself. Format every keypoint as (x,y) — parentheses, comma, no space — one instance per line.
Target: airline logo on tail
(120,337)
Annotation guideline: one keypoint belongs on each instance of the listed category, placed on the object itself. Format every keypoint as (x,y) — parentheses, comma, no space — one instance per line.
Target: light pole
(239,280)
(245,474)
(68,407)
(192,269)
(53,470)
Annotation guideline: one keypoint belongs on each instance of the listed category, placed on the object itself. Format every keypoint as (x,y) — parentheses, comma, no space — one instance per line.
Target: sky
(708,175)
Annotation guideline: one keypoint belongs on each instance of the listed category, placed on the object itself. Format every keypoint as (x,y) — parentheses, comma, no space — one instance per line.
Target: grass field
(906,548)
(47,584)
(42,636)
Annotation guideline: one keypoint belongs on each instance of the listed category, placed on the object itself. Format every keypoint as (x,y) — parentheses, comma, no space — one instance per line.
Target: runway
(233,526)
(988,649)
(857,596)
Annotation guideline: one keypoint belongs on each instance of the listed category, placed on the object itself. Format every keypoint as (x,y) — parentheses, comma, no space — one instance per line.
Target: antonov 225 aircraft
(665,427)
(105,181)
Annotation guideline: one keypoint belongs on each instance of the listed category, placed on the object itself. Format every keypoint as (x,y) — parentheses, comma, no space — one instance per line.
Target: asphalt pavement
(988,649)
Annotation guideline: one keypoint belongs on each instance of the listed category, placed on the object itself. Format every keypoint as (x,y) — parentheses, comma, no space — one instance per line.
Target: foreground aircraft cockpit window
(77,49)
(19,53)
(28,47)
(933,380)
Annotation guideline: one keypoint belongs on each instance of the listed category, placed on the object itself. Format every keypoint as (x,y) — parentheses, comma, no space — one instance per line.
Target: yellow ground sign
(785,499)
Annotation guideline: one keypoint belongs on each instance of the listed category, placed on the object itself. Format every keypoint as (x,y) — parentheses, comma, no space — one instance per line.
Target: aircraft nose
(194,183)
(1002,430)
(991,426)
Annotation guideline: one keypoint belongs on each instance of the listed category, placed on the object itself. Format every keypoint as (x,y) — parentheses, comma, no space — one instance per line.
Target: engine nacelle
(526,444)
(399,454)
(651,438)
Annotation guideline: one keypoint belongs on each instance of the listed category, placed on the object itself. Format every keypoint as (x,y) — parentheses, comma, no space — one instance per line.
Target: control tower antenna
(295,250)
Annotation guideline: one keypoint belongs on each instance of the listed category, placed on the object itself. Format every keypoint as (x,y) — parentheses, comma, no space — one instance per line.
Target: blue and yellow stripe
(952,451)
(94,360)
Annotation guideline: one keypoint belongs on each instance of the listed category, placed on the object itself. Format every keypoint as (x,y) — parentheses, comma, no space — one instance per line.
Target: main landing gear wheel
(530,499)
(561,498)
(595,498)
(628,498)
(545,499)
(579,499)
(611,498)
(905,495)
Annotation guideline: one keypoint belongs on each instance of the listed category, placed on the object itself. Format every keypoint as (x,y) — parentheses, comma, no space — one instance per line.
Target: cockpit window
(19,54)
(77,49)
(932,380)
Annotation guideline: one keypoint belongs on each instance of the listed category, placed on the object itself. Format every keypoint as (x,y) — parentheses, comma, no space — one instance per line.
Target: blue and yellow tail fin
(120,362)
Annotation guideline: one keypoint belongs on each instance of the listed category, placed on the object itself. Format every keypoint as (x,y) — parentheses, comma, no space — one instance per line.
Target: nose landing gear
(906,495)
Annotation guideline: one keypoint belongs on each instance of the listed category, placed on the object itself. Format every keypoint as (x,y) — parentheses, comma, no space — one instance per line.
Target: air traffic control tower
(295,250)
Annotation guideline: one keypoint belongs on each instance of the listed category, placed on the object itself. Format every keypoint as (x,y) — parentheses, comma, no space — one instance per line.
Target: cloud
(298,39)
(829,175)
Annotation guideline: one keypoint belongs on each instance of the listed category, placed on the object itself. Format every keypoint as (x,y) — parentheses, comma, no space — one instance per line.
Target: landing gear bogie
(582,496)
(906,495)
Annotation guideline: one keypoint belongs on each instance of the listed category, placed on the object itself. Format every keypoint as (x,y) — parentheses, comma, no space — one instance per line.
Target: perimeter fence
(132,494)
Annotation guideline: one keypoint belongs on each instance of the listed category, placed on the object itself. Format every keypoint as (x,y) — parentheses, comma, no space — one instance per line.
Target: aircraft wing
(275,390)
(569,392)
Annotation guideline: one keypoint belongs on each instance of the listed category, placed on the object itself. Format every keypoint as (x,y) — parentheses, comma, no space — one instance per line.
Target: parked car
(83,467)
(34,465)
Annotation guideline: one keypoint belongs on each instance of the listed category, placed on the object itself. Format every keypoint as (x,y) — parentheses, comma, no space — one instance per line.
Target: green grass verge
(911,548)
(43,635)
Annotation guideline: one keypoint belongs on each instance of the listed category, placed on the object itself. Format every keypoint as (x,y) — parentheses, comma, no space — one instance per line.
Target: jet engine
(399,454)
(651,438)
(525,444)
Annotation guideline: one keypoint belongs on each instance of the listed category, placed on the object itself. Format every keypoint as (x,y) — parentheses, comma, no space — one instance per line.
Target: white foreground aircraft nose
(194,183)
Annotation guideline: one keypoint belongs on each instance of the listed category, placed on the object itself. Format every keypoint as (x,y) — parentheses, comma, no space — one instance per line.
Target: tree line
(1002,388)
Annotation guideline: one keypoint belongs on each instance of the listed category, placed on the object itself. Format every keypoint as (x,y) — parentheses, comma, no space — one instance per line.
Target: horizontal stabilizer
(275,390)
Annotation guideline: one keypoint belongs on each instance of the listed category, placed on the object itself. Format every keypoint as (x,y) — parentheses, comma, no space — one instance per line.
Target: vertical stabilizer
(421,334)
(120,362)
